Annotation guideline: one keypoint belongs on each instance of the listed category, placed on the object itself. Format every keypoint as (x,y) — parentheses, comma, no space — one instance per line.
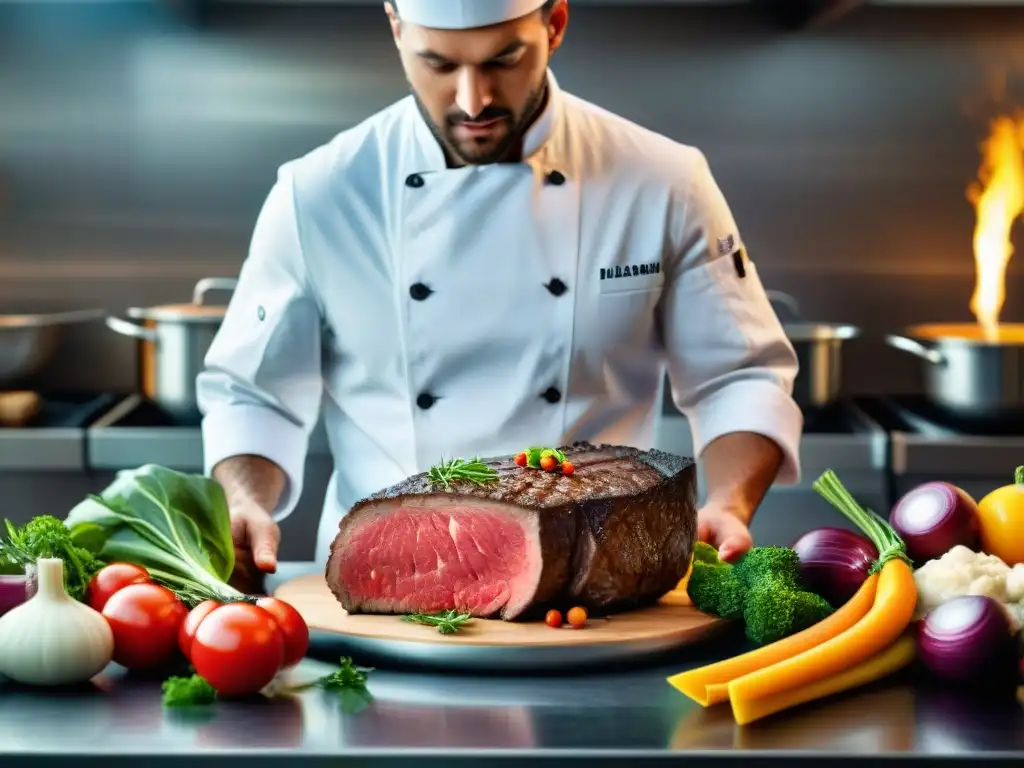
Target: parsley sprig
(43,537)
(348,682)
(187,692)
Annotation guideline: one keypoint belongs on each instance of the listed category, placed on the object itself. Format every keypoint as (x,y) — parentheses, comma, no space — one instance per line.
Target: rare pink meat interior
(614,535)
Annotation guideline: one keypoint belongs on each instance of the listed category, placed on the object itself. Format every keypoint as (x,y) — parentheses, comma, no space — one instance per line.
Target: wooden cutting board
(673,622)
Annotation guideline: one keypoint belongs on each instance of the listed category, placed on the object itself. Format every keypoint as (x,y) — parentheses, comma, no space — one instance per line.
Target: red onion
(933,518)
(968,639)
(834,562)
(13,592)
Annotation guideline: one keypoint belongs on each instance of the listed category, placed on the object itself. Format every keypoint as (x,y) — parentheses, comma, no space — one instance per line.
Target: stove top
(135,411)
(69,411)
(916,415)
(841,418)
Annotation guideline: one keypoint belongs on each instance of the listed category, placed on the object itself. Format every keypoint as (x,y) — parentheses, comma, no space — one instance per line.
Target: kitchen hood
(791,14)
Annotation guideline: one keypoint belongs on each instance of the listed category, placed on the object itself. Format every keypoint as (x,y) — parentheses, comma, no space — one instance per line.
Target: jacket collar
(428,157)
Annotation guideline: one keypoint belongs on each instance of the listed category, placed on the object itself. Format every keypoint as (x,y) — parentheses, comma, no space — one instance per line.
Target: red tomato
(293,627)
(191,623)
(112,578)
(238,649)
(145,620)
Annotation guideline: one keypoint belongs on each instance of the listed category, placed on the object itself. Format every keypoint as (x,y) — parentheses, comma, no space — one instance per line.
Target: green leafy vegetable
(173,524)
(447,622)
(187,692)
(449,471)
(536,453)
(46,536)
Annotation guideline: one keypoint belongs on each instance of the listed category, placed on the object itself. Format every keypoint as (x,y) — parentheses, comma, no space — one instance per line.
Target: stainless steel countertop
(606,717)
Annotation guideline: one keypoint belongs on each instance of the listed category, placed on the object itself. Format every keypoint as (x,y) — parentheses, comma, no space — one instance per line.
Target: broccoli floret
(763,587)
(774,610)
(705,553)
(763,563)
(715,589)
(776,604)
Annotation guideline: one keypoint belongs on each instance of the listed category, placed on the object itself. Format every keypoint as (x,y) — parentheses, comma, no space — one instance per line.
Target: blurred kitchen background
(139,138)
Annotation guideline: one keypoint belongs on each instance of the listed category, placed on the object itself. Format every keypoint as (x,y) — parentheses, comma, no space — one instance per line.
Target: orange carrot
(889,661)
(887,619)
(708,685)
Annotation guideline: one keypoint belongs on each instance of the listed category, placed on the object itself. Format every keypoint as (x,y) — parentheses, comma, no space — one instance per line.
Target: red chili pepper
(548,463)
(567,468)
(521,459)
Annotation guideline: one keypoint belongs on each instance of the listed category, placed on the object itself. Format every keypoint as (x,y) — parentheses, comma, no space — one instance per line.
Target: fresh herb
(449,471)
(348,675)
(188,692)
(47,537)
(348,682)
(447,622)
(175,525)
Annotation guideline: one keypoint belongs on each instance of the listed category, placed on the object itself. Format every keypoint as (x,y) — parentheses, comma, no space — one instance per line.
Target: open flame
(998,199)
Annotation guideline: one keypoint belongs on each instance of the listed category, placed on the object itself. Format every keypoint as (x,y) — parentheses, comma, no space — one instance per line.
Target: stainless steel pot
(965,373)
(173,341)
(28,342)
(819,350)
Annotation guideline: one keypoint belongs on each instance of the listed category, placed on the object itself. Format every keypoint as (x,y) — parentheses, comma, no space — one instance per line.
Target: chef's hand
(256,537)
(723,528)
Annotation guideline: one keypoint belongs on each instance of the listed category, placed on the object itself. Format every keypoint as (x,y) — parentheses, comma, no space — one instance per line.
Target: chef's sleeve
(261,387)
(731,366)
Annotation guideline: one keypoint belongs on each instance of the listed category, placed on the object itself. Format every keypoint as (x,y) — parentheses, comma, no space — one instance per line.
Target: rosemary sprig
(451,470)
(447,622)
(888,543)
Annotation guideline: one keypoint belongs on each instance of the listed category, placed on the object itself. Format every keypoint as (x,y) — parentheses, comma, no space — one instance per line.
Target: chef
(488,264)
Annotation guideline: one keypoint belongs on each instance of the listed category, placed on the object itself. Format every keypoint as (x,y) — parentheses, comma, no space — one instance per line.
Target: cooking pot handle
(916,348)
(208,284)
(788,301)
(125,328)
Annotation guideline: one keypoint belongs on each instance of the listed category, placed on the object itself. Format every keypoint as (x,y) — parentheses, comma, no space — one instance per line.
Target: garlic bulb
(53,639)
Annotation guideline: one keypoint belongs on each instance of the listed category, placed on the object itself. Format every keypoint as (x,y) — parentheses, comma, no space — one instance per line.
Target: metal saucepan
(819,349)
(28,342)
(966,373)
(173,341)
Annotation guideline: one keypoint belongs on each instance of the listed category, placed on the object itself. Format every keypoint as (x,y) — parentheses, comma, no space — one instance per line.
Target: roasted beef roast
(614,535)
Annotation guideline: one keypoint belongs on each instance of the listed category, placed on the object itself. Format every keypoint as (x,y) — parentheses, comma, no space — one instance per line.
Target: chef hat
(464,14)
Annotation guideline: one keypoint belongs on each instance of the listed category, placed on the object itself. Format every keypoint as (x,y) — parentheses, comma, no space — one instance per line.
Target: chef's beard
(507,148)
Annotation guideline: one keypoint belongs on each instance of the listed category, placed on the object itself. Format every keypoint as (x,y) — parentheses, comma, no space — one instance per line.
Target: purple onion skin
(933,518)
(12,586)
(834,562)
(968,640)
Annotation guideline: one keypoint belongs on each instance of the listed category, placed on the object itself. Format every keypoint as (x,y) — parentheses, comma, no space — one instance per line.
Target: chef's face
(480,89)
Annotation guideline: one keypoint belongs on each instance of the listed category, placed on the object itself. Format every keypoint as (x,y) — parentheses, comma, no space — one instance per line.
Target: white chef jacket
(440,312)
